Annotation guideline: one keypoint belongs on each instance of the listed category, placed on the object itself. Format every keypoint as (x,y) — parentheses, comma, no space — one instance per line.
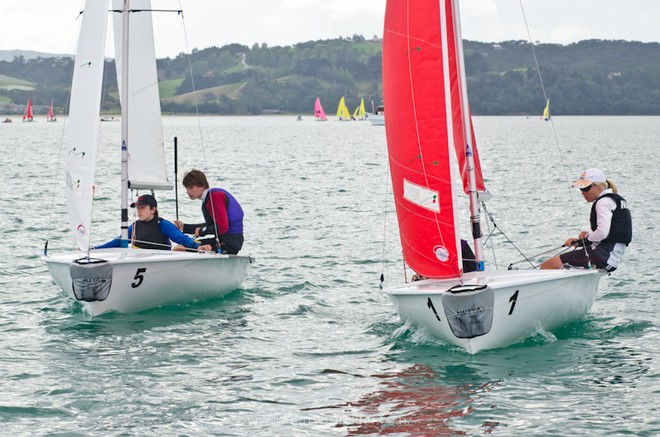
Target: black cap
(146,199)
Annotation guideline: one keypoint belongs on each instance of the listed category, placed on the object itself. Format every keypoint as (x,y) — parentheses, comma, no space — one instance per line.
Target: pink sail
(426,129)
(319,113)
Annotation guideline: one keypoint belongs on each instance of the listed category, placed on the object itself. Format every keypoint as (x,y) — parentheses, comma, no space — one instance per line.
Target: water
(309,346)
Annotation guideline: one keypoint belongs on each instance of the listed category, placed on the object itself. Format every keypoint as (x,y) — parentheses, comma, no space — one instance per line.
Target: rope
(55,187)
(382,263)
(192,82)
(495,227)
(552,124)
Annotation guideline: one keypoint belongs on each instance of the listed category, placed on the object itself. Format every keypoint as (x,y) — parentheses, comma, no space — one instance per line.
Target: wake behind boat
(126,279)
(424,87)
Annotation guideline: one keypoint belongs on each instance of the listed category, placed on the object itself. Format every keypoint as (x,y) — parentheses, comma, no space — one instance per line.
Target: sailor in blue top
(153,232)
(611,227)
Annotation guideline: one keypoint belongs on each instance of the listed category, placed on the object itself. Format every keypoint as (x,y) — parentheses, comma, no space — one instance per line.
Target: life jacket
(621,227)
(149,236)
(234,212)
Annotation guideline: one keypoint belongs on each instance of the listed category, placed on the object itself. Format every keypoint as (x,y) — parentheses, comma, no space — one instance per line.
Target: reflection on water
(418,400)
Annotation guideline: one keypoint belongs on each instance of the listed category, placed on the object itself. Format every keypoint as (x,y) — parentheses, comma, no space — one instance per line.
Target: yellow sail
(342,110)
(546,111)
(359,112)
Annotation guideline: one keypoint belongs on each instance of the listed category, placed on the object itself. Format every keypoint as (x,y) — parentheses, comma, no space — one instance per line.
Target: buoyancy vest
(149,236)
(621,227)
(234,212)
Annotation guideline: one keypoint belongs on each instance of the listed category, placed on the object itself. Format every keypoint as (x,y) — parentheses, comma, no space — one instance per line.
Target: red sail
(425,129)
(27,115)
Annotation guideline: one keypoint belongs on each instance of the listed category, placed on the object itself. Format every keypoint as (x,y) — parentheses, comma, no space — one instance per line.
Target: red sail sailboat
(51,113)
(27,115)
(430,139)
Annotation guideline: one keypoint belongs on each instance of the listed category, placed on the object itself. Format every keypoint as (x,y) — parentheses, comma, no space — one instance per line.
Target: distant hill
(9,55)
(590,77)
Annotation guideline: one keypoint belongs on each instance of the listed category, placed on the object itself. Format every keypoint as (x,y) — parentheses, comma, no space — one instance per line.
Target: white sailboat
(424,84)
(126,279)
(378,116)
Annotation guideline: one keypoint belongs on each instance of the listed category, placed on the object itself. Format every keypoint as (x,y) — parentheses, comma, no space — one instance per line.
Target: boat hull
(144,279)
(377,119)
(499,308)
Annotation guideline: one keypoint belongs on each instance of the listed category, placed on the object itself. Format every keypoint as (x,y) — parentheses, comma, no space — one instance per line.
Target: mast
(469,147)
(124,125)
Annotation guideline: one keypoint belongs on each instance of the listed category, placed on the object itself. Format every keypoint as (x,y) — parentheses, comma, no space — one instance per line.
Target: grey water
(310,345)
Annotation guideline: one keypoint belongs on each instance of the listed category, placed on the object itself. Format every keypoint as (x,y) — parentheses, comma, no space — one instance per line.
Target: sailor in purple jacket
(223,215)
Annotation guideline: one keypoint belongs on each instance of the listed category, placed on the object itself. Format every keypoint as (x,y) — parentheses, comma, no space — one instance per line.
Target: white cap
(590,176)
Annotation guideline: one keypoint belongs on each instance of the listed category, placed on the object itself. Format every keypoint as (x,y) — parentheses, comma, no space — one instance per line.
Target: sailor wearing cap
(611,227)
(153,232)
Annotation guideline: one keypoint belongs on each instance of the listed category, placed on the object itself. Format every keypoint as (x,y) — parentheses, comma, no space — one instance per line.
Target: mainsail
(146,154)
(342,110)
(84,110)
(546,110)
(319,113)
(430,129)
(359,111)
(27,114)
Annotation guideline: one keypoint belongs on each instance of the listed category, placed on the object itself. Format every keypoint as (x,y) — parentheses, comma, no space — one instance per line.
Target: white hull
(522,304)
(144,279)
(377,120)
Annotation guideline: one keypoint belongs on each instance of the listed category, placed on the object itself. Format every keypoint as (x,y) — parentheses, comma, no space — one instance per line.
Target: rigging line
(387,192)
(192,82)
(59,165)
(552,123)
(490,217)
(492,244)
(542,253)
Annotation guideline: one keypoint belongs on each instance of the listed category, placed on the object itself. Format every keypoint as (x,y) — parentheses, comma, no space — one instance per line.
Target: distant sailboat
(546,111)
(51,114)
(378,116)
(319,113)
(360,112)
(342,110)
(27,115)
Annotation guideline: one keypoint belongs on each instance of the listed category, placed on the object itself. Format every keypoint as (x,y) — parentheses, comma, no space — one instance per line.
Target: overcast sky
(50,25)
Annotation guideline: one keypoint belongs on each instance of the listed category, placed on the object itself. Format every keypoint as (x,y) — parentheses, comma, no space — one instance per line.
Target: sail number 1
(139,277)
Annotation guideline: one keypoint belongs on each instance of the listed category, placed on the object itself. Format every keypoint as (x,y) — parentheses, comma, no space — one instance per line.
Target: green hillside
(589,77)
(12,83)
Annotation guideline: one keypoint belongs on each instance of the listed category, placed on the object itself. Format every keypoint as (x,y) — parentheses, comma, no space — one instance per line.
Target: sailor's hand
(570,242)
(178,224)
(197,232)
(583,235)
(204,248)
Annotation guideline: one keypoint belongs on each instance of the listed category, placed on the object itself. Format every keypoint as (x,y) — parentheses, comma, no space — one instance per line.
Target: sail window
(421,196)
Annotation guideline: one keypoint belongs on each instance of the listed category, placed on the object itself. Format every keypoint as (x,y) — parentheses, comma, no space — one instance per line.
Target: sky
(50,25)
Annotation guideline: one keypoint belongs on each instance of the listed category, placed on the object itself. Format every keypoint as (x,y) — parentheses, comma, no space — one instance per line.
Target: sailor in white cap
(611,227)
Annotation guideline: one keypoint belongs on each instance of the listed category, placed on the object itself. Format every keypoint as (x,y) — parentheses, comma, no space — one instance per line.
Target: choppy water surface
(309,346)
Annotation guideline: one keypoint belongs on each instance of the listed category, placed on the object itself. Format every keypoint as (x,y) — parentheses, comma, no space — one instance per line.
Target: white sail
(146,154)
(84,111)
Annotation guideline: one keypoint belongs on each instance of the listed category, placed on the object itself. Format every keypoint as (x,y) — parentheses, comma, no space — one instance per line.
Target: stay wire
(192,82)
(552,124)
(387,193)
(495,227)
(54,187)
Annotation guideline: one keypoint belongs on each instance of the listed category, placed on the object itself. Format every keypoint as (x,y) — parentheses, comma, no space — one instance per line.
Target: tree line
(585,78)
